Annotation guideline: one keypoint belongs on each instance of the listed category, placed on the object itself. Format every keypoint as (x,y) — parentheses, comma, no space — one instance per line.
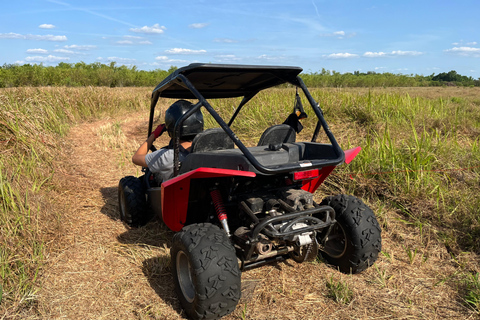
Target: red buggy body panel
(312,185)
(176,190)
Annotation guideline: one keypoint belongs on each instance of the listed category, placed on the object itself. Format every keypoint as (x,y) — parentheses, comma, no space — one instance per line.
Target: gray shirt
(160,162)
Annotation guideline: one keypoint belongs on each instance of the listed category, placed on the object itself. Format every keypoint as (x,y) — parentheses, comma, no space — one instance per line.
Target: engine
(280,223)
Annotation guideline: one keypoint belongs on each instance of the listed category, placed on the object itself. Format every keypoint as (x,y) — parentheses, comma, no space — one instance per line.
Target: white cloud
(122,60)
(48,58)
(164,60)
(345,55)
(227,58)
(406,53)
(199,25)
(267,57)
(339,34)
(37,51)
(47,37)
(155,29)
(462,43)
(80,47)
(184,51)
(46,26)
(64,51)
(224,40)
(465,51)
(374,54)
(133,40)
(380,54)
(132,37)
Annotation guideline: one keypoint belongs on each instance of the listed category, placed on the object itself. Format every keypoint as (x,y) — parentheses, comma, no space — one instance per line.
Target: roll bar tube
(183,81)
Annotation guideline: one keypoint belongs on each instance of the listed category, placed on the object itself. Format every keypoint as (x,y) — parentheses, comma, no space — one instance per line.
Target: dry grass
(96,268)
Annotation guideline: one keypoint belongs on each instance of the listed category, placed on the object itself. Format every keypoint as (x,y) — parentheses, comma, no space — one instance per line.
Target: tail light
(304,175)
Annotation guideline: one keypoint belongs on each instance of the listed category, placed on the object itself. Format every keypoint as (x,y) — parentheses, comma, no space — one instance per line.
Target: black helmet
(191,126)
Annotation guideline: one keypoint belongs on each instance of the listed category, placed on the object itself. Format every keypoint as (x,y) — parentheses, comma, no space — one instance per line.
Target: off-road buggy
(236,207)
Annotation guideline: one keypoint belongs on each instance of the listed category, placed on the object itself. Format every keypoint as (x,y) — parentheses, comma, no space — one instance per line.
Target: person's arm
(139,156)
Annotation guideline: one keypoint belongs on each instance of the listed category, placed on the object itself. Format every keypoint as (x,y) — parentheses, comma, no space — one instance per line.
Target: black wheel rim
(336,242)
(184,276)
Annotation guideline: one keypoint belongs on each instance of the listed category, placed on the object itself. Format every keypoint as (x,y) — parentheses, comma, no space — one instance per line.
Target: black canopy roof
(224,80)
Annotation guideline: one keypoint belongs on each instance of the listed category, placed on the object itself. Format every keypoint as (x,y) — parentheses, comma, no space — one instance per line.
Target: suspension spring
(220,209)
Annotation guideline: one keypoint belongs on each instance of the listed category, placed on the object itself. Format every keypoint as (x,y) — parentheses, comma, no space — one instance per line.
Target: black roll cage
(180,79)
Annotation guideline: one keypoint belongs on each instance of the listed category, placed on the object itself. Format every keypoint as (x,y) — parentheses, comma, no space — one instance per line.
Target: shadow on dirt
(155,233)
(110,197)
(157,271)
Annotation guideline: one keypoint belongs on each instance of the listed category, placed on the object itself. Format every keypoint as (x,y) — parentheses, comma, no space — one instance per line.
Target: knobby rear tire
(132,202)
(205,271)
(355,240)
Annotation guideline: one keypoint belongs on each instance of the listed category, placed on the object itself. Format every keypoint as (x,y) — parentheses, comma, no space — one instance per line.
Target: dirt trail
(99,269)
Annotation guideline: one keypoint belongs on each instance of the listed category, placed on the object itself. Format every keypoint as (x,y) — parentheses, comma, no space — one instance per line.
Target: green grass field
(420,160)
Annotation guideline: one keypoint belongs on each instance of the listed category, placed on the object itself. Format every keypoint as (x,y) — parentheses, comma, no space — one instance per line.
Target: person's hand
(159,130)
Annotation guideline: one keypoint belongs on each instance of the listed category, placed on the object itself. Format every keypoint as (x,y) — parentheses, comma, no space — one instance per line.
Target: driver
(160,162)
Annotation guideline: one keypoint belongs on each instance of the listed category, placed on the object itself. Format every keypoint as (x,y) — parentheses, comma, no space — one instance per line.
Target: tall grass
(33,124)
(419,154)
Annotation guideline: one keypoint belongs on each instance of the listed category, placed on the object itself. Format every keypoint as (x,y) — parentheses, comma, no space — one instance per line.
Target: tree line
(112,75)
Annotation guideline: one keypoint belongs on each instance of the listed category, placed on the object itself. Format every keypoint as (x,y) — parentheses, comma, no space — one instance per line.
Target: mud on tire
(132,202)
(205,271)
(355,240)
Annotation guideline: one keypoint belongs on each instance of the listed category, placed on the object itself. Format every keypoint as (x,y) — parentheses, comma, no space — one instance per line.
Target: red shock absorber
(220,209)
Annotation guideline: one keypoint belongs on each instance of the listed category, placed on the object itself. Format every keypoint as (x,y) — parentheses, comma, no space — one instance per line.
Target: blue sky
(407,37)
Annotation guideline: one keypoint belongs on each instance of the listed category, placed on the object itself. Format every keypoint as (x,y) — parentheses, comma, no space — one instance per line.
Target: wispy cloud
(224,40)
(163,60)
(91,12)
(381,54)
(133,40)
(37,51)
(47,37)
(80,47)
(338,34)
(227,58)
(344,55)
(465,51)
(463,43)
(126,61)
(316,9)
(65,51)
(46,26)
(155,29)
(48,58)
(199,25)
(266,57)
(184,51)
